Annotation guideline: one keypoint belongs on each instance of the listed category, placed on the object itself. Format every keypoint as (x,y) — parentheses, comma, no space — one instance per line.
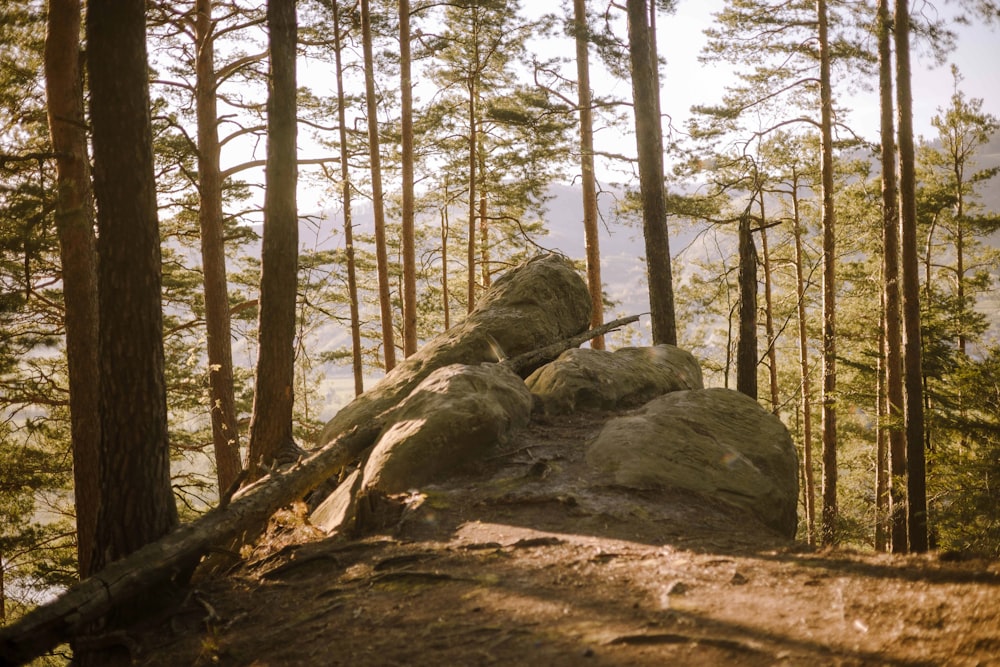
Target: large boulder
(449,424)
(715,442)
(540,302)
(586,379)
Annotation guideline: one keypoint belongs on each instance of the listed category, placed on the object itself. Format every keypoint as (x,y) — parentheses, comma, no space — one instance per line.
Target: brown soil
(535,562)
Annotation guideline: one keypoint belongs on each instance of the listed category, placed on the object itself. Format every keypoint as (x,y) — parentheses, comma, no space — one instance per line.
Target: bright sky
(687,82)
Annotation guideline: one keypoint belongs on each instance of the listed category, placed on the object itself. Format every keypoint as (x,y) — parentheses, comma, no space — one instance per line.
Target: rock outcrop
(715,442)
(451,423)
(585,379)
(540,302)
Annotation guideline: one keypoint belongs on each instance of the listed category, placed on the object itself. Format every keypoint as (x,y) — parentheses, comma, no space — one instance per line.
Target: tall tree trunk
(588,179)
(378,203)
(445,232)
(484,221)
(271,423)
(772,351)
(649,144)
(881,443)
(136,499)
(78,254)
(473,178)
(345,179)
(891,294)
(137,503)
(829,532)
(225,429)
(916,516)
(809,486)
(746,343)
(409,243)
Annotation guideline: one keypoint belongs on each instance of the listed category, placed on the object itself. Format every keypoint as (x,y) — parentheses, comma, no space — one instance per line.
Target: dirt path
(536,563)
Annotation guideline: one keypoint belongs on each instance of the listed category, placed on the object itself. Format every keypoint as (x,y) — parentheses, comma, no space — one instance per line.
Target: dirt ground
(536,562)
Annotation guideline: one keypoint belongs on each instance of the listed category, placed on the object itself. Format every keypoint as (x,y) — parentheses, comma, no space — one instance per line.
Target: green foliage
(964,483)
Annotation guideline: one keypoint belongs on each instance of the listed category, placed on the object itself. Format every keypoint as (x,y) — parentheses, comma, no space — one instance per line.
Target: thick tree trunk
(896,443)
(137,504)
(916,516)
(225,429)
(271,423)
(830,512)
(746,343)
(78,253)
(409,244)
(345,177)
(649,144)
(378,202)
(136,499)
(588,179)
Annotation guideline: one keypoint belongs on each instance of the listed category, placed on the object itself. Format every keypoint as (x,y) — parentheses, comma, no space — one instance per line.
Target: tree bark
(136,499)
(746,342)
(772,350)
(78,254)
(271,423)
(830,512)
(891,294)
(809,483)
(409,243)
(473,178)
(225,428)
(378,203)
(345,178)
(916,515)
(649,144)
(588,179)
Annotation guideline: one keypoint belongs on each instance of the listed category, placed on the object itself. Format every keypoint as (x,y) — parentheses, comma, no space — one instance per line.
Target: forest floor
(536,562)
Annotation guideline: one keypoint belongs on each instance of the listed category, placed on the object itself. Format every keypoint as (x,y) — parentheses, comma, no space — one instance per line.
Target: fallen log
(165,560)
(526,363)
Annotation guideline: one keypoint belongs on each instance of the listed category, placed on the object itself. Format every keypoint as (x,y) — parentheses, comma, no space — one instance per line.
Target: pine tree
(378,203)
(271,423)
(78,246)
(649,142)
(581,30)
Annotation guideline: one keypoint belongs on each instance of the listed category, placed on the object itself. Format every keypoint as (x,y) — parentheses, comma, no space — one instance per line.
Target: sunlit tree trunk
(649,144)
(893,423)
(588,179)
(378,203)
(829,521)
(772,351)
(916,516)
(473,178)
(78,254)
(809,483)
(409,244)
(225,430)
(273,401)
(345,179)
